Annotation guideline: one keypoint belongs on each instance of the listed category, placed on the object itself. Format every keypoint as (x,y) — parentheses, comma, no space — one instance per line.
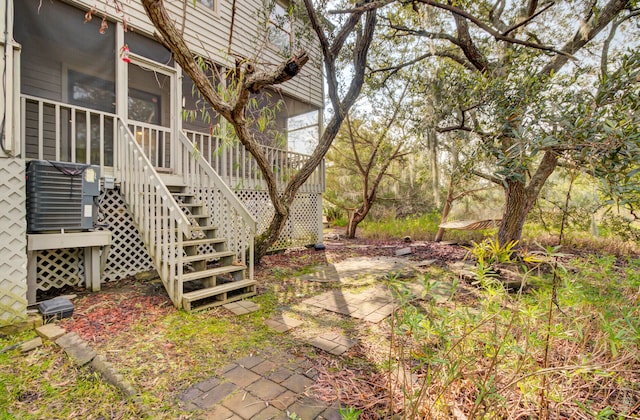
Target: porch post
(121,99)
(176,122)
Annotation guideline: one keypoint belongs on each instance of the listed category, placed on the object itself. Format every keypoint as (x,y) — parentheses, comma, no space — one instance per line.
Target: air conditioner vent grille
(61,195)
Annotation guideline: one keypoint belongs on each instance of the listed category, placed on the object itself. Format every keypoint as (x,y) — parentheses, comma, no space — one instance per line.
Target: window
(144,106)
(279,30)
(209,4)
(91,92)
(303,132)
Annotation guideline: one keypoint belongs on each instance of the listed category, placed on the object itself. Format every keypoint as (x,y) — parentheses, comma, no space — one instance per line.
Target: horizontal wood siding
(208,35)
(42,78)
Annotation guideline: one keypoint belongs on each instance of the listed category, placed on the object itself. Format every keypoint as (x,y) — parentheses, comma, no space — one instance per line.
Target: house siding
(207,33)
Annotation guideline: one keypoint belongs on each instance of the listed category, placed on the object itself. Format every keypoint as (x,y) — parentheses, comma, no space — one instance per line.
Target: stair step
(198,216)
(182,194)
(202,241)
(206,257)
(219,294)
(212,272)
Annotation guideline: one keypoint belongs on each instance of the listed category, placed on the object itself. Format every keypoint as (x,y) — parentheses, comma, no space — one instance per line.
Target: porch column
(121,99)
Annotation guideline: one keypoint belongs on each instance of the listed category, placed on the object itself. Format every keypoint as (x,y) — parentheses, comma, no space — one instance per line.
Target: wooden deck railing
(240,171)
(156,143)
(233,220)
(158,216)
(57,131)
(62,132)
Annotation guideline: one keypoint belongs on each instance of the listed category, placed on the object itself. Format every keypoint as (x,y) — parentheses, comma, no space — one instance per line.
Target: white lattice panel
(60,267)
(301,229)
(128,254)
(13,242)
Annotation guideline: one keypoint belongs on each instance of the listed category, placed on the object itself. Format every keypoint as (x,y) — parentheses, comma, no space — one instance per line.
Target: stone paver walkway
(259,387)
(276,386)
(242,307)
(282,323)
(372,305)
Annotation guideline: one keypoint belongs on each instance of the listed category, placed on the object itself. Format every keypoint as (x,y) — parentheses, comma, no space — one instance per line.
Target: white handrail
(239,169)
(238,226)
(156,213)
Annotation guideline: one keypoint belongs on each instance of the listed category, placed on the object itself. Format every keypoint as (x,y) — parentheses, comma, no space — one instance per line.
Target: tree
(523,91)
(359,24)
(364,152)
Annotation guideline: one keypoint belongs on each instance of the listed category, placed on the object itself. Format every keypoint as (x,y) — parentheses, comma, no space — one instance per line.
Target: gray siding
(208,35)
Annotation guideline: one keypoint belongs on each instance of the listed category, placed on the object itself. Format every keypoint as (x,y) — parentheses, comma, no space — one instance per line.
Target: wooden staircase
(212,276)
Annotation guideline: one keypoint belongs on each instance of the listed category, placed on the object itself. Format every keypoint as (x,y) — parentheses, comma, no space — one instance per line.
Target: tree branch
(497,35)
(590,27)
(490,178)
(530,16)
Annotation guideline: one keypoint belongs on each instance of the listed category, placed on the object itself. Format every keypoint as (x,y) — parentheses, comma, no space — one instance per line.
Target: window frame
(273,24)
(213,8)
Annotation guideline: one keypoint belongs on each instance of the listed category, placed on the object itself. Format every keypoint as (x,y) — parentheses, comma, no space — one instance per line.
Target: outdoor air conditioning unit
(61,196)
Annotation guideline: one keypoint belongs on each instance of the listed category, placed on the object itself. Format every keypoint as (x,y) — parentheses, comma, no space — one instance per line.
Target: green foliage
(490,252)
(489,354)
(423,227)
(349,413)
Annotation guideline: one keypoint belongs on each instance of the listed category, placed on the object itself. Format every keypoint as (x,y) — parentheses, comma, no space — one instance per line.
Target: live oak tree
(535,98)
(357,26)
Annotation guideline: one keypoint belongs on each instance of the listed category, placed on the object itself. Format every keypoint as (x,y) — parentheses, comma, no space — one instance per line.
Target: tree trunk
(355,217)
(515,212)
(435,172)
(445,211)
(264,241)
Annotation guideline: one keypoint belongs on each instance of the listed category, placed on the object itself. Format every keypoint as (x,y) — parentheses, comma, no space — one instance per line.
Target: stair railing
(233,220)
(155,212)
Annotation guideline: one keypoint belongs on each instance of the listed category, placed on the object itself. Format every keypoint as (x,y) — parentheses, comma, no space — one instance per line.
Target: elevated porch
(158,180)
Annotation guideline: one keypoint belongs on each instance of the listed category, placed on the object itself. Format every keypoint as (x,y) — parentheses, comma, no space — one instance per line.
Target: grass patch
(423,228)
(45,384)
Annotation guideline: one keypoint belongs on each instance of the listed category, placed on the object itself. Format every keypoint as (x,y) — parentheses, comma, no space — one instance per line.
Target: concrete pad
(50,332)
(266,389)
(241,376)
(250,361)
(215,395)
(284,400)
(265,367)
(297,383)
(221,413)
(426,263)
(308,408)
(335,344)
(404,251)
(242,307)
(280,375)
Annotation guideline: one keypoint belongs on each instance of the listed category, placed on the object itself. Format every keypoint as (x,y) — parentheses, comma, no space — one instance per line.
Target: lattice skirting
(13,242)
(301,229)
(128,256)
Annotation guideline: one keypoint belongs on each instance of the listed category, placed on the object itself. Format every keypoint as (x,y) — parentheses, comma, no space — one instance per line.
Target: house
(174,193)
